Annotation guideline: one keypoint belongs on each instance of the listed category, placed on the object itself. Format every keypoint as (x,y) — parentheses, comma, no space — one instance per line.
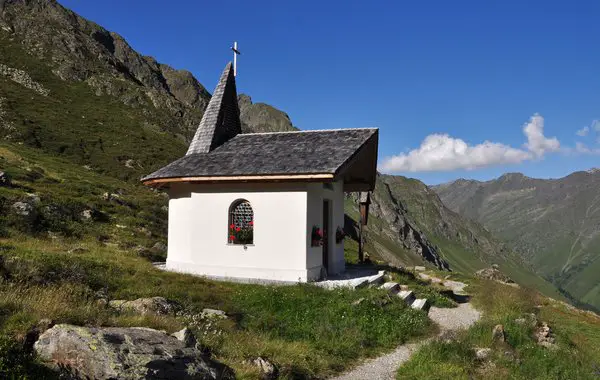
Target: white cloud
(536,141)
(583,131)
(584,149)
(596,125)
(442,152)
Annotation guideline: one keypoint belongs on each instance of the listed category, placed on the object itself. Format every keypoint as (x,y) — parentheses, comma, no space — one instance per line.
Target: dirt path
(384,367)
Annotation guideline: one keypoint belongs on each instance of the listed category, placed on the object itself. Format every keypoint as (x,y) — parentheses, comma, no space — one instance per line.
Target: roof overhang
(359,172)
(323,177)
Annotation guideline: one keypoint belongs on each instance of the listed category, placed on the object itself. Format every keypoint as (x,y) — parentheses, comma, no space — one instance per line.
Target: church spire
(221,120)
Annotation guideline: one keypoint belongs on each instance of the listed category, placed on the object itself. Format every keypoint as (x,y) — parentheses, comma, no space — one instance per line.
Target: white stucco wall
(283,218)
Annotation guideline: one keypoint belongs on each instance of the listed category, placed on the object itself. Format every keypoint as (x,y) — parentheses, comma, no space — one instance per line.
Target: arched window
(241,223)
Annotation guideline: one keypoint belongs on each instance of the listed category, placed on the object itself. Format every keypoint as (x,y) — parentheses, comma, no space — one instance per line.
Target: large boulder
(144,306)
(494,274)
(124,353)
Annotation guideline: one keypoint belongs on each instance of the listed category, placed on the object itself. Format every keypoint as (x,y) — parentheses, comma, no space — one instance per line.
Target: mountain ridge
(553,223)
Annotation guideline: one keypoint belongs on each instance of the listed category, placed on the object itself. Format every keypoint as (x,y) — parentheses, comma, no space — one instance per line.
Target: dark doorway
(326,234)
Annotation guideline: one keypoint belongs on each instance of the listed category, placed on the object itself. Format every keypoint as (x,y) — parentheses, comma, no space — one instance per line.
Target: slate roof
(221,119)
(277,153)
(219,149)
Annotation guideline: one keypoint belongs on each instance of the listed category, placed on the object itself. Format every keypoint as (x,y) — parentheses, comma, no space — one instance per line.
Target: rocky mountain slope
(409,225)
(72,89)
(88,84)
(554,224)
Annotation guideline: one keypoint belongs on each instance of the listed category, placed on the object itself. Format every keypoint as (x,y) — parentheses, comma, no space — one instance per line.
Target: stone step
(359,283)
(391,287)
(407,295)
(420,304)
(376,279)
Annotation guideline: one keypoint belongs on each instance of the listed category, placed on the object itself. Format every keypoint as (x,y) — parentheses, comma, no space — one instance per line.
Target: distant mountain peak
(593,170)
(513,175)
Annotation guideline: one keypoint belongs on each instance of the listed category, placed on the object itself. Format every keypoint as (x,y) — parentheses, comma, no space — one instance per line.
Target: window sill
(239,245)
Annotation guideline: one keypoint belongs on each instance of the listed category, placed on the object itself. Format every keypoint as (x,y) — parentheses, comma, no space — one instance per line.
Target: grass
(520,357)
(308,331)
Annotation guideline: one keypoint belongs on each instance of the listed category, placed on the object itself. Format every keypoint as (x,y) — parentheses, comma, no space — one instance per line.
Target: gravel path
(384,367)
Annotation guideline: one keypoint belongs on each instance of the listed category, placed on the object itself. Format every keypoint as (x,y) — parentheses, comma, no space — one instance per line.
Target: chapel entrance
(326,235)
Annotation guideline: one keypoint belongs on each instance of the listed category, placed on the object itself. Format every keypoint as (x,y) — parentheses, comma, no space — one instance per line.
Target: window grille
(241,223)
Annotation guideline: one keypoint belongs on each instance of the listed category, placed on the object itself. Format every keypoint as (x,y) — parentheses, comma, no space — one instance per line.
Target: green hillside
(552,223)
(412,224)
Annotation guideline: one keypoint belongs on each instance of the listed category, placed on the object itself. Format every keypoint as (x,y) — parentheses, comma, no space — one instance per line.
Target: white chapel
(265,206)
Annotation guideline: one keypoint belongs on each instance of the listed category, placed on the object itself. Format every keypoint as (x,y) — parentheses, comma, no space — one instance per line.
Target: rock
(5,180)
(358,301)
(159,248)
(420,268)
(493,274)
(144,231)
(113,197)
(33,198)
(495,266)
(213,313)
(78,250)
(545,337)
(268,370)
(21,77)
(123,353)
(86,214)
(482,353)
(498,333)
(102,302)
(145,306)
(186,336)
(131,164)
(23,209)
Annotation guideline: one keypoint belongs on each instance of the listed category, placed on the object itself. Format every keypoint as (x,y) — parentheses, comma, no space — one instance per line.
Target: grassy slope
(73,122)
(306,330)
(577,335)
(552,222)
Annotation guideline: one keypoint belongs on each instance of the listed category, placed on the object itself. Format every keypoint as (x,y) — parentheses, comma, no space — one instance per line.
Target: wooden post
(361,255)
(364,199)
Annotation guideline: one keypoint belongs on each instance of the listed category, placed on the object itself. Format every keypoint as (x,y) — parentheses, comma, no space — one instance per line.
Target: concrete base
(247,274)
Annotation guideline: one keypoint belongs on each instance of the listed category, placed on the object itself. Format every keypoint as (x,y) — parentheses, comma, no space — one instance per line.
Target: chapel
(262,206)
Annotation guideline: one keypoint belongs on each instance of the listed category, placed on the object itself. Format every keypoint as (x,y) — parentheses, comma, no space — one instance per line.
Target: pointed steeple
(221,120)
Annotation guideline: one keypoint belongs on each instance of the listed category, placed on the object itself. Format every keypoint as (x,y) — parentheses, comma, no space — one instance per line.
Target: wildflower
(238,229)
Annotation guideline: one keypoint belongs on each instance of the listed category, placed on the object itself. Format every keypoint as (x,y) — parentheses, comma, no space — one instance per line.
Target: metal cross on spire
(236,52)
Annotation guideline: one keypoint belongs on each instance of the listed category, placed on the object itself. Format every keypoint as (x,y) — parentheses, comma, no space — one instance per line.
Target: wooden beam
(243,178)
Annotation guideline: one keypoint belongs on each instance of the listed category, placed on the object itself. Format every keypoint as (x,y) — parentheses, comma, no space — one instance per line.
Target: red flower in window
(231,226)
(251,223)
(238,229)
(232,238)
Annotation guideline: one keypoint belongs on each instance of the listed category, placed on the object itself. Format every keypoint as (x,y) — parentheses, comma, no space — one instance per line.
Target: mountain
(73,90)
(553,223)
(409,225)
(261,117)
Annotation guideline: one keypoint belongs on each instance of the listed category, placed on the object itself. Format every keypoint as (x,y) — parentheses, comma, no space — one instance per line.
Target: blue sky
(438,78)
